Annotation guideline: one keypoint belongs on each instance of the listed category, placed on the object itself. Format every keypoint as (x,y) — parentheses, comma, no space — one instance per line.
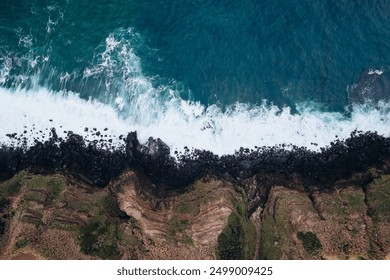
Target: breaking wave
(129,100)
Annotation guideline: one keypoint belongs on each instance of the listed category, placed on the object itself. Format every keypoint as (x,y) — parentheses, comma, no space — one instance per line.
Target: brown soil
(24,256)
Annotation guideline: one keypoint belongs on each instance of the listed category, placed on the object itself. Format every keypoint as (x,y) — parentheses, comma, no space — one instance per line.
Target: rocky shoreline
(100,165)
(60,197)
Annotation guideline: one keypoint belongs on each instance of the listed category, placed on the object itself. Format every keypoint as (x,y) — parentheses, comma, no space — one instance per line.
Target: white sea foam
(183,123)
(160,112)
(375,71)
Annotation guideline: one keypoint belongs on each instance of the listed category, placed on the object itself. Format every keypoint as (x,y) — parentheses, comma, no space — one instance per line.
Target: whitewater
(182,123)
(131,102)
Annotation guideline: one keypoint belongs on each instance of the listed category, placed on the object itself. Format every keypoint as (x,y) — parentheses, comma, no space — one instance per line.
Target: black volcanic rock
(100,165)
(132,147)
(155,149)
(97,165)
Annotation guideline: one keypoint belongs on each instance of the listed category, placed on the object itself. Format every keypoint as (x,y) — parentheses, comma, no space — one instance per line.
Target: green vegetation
(177,230)
(43,189)
(274,238)
(231,241)
(378,199)
(177,226)
(188,240)
(110,204)
(189,203)
(355,200)
(238,239)
(2,225)
(36,196)
(275,231)
(4,202)
(21,243)
(310,242)
(54,185)
(87,205)
(99,238)
(345,247)
(201,193)
(13,185)
(184,206)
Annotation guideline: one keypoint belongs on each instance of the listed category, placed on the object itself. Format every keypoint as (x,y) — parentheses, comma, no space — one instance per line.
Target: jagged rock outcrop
(99,165)
(65,199)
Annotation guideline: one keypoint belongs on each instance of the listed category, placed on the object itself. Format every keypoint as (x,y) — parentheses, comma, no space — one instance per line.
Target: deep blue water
(212,51)
(209,51)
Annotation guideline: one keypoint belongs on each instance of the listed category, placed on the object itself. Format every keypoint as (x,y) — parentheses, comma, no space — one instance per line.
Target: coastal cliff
(63,199)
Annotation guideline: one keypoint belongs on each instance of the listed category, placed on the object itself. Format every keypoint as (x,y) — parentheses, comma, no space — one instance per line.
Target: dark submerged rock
(373,86)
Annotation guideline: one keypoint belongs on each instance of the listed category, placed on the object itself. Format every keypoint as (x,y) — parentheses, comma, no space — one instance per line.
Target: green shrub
(310,242)
(99,238)
(2,226)
(176,225)
(4,202)
(55,186)
(111,205)
(13,185)
(231,241)
(21,243)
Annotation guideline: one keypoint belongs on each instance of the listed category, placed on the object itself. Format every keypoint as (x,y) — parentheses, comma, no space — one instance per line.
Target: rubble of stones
(100,161)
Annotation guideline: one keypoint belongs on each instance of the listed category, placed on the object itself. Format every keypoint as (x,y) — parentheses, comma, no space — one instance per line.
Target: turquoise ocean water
(204,73)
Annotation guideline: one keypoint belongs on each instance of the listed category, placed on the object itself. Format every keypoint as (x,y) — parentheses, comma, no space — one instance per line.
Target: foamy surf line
(180,124)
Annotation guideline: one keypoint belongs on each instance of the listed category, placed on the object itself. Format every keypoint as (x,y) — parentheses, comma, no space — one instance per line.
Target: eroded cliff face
(348,222)
(267,216)
(56,216)
(182,225)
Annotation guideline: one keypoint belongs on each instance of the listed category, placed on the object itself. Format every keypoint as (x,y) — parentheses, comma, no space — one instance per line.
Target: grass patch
(176,225)
(275,229)
(177,231)
(310,242)
(64,226)
(13,185)
(378,199)
(184,206)
(35,196)
(231,241)
(355,200)
(237,240)
(99,238)
(274,234)
(55,187)
(189,203)
(80,206)
(52,185)
(42,189)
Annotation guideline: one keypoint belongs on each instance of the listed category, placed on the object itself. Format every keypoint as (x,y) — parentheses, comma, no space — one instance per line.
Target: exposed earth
(135,212)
